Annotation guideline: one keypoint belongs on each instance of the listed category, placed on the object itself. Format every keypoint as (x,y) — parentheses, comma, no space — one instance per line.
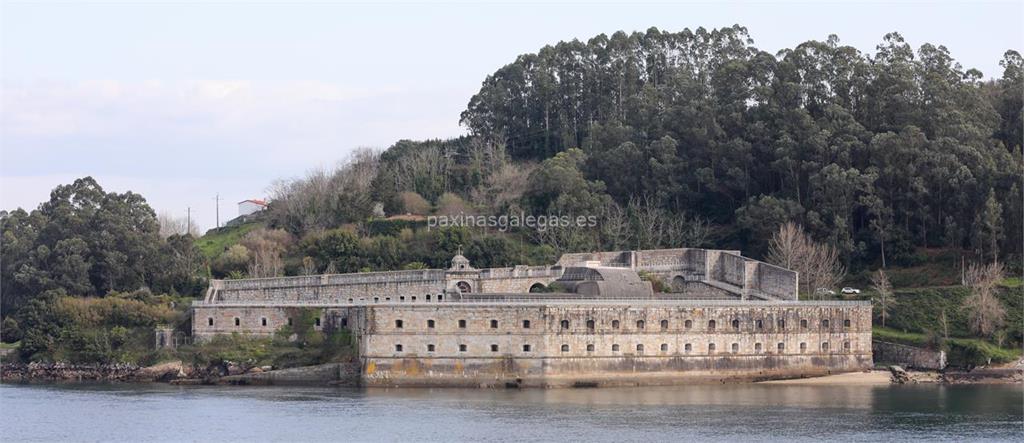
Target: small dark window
(803,347)
(615,348)
(462,348)
(430,348)
(344,322)
(430,324)
(398,348)
(846,323)
(209,321)
(263,321)
(238,322)
(615,324)
(757,347)
(350,300)
(782,347)
(462,324)
(688,347)
(824,323)
(376,299)
(387,298)
(782,324)
(735,348)
(760,324)
(711,325)
(414,298)
(846,346)
(526,348)
(711,347)
(289,321)
(664,347)
(494,348)
(688,324)
(494,324)
(735,324)
(590,324)
(565,348)
(565,324)
(639,324)
(803,324)
(428,297)
(824,346)
(440,297)
(664,324)
(398,324)
(526,324)
(640,348)
(590,347)
(401,298)
(317,321)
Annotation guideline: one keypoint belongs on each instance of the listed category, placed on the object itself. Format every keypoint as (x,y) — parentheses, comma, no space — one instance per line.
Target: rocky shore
(170,372)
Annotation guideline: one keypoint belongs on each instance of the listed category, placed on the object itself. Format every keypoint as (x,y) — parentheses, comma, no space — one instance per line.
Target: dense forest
(693,138)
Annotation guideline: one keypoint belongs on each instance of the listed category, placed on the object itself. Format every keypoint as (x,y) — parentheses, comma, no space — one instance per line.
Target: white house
(246,207)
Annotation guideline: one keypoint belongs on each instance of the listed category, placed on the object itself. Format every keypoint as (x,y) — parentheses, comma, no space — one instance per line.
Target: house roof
(258,202)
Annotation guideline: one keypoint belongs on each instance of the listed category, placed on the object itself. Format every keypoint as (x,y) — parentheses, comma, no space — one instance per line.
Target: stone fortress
(591,319)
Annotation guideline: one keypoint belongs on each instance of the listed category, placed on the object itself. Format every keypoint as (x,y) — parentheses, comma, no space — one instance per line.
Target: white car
(824,291)
(849,290)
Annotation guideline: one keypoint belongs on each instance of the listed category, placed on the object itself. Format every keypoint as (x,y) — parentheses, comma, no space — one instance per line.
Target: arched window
(565,324)
(711,325)
(803,347)
(846,346)
(462,348)
(440,297)
(824,323)
(209,321)
(430,348)
(462,324)
(464,287)
(757,347)
(398,348)
(639,348)
(782,347)
(846,323)
(400,298)
(688,324)
(494,348)
(350,300)
(735,348)
(664,324)
(664,347)
(263,321)
(526,348)
(735,324)
(782,324)
(590,347)
(803,324)
(238,322)
(494,324)
(430,324)
(615,348)
(760,324)
(428,297)
(398,324)
(688,347)
(316,322)
(824,346)
(615,324)
(526,324)
(590,324)
(289,321)
(711,347)
(565,348)
(639,324)
(376,299)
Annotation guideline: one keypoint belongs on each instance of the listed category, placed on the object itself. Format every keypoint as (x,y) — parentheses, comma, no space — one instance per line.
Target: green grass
(10,345)
(960,352)
(217,241)
(1012,282)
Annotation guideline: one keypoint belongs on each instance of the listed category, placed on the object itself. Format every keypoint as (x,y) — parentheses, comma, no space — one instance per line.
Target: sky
(182,101)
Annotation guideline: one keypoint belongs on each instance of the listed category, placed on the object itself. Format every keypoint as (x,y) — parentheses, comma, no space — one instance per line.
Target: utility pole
(188,220)
(217,199)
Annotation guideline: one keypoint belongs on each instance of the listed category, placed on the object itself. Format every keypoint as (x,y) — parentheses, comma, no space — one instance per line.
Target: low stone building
(728,317)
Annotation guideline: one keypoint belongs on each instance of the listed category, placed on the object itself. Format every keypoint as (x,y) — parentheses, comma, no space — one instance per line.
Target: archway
(538,288)
(464,287)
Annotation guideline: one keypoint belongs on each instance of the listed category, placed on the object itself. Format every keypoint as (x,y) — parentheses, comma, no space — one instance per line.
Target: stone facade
(734,318)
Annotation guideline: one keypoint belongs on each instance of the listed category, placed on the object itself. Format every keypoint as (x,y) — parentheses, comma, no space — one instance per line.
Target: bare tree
(649,222)
(308,265)
(986,313)
(266,247)
(171,225)
(884,298)
(614,225)
(818,264)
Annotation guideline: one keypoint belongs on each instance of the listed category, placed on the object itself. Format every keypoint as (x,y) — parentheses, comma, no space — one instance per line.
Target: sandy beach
(870,378)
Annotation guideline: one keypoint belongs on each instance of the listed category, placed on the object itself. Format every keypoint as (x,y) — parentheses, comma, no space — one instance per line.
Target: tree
(884,299)
(986,313)
(818,264)
(988,227)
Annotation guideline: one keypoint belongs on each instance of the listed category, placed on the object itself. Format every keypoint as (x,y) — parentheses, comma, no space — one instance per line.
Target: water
(706,413)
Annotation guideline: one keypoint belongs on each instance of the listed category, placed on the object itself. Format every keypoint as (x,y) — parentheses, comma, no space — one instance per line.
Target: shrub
(10,332)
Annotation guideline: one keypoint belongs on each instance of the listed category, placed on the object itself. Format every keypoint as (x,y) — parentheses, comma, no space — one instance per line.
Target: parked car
(824,291)
(849,290)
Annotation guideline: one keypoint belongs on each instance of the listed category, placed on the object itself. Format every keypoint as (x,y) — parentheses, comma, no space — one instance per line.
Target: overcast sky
(180,101)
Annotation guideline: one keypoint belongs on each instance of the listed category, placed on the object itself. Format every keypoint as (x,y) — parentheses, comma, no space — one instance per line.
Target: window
(688,347)
(688,324)
(711,347)
(664,324)
(440,297)
(398,324)
(344,322)
(590,347)
(639,348)
(350,300)
(846,346)
(387,298)
(711,325)
(664,347)
(317,321)
(565,324)
(824,346)
(398,348)
(735,348)
(803,324)
(803,347)
(238,322)
(494,348)
(590,325)
(462,324)
(401,298)
(824,323)
(757,347)
(526,348)
(760,324)
(430,348)
(846,323)
(735,324)
(263,321)
(494,324)
(414,298)
(430,324)
(565,348)
(615,348)
(639,324)
(428,297)
(782,347)
(782,324)
(209,321)
(615,324)
(289,321)
(526,324)
(376,299)
(462,348)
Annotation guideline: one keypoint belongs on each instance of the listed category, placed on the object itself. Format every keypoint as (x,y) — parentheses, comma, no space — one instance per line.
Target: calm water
(706,413)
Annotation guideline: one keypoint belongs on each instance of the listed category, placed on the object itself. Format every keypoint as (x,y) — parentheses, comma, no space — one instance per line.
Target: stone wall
(909,357)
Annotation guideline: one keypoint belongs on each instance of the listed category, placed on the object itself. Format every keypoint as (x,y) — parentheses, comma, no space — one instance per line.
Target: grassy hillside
(219,240)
